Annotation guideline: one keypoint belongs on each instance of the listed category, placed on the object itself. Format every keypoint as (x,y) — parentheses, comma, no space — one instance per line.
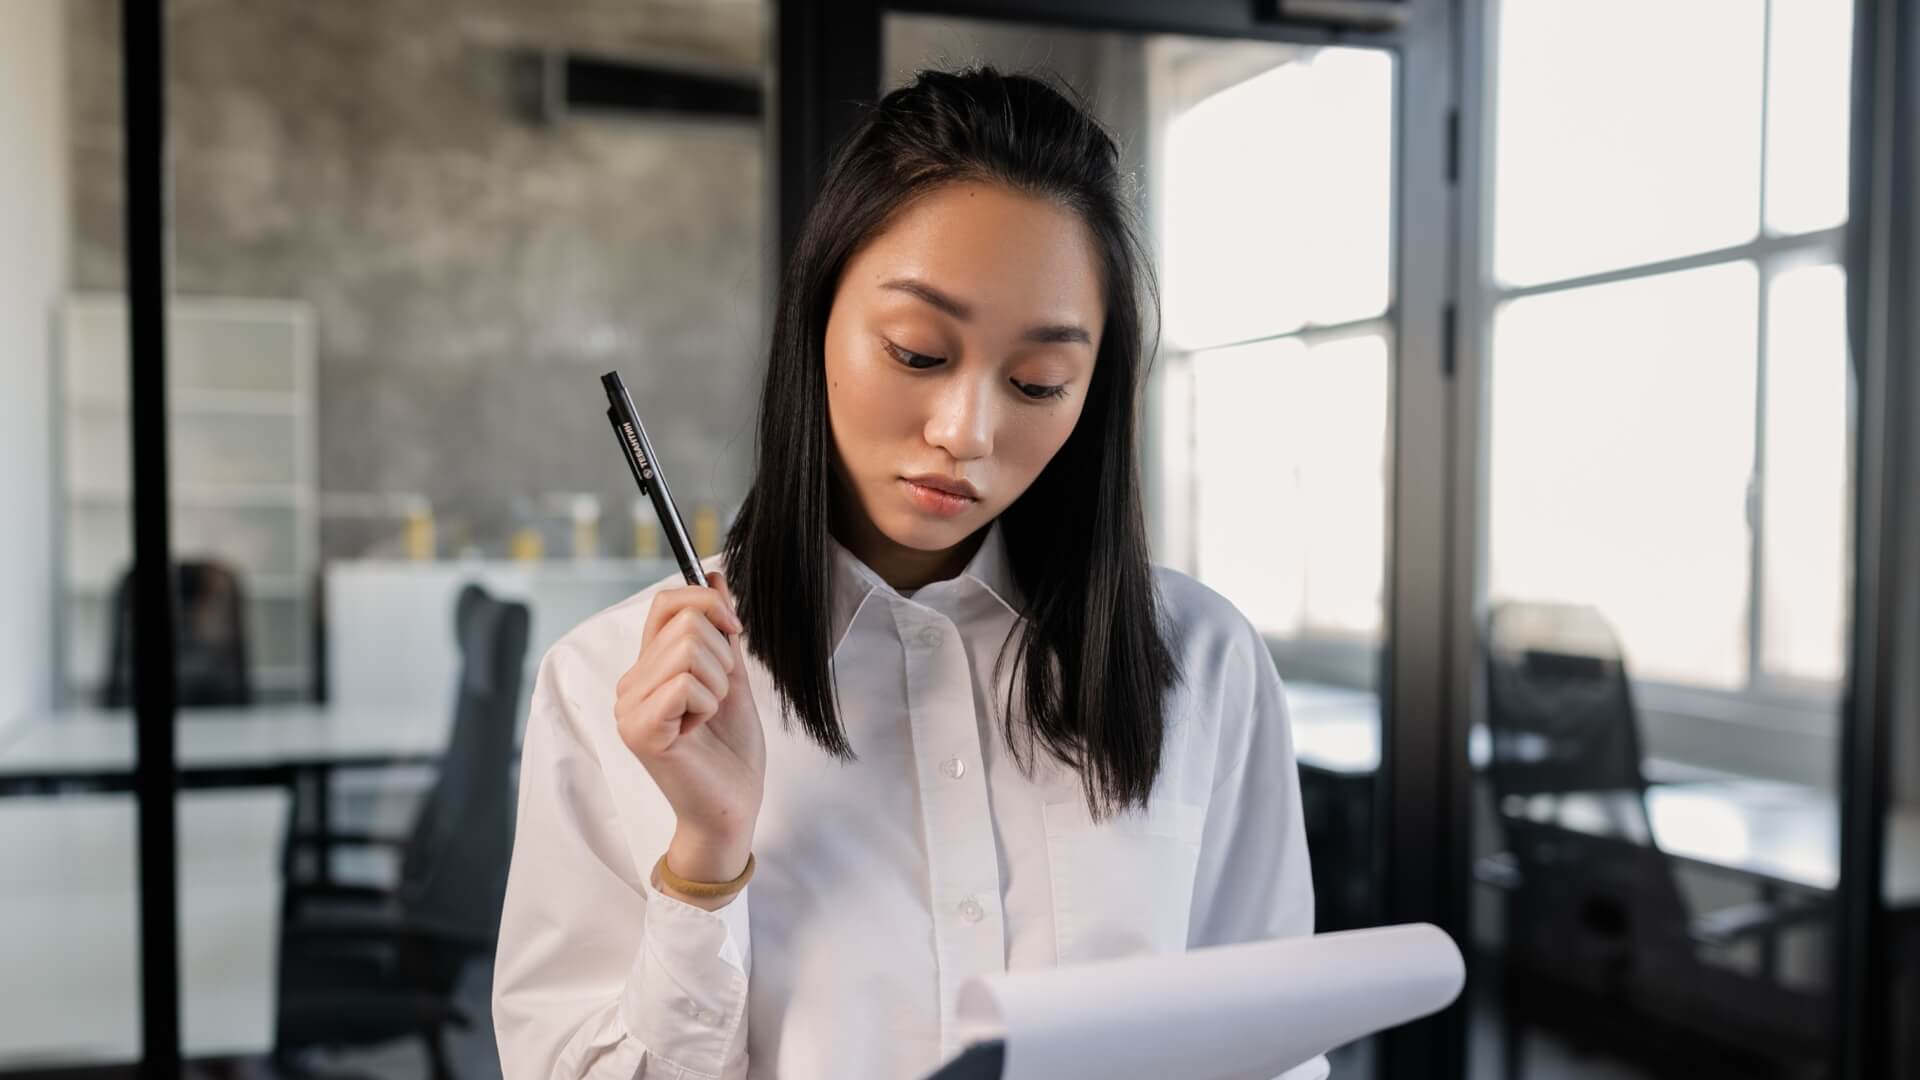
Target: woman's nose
(962,420)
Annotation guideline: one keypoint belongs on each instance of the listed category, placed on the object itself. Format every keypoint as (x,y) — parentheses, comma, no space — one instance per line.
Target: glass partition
(1668,528)
(69,882)
(407,240)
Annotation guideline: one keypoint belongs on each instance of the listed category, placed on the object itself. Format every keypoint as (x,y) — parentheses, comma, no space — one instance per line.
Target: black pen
(646,472)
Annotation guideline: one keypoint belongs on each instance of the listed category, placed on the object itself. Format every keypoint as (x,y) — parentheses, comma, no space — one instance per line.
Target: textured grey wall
(472,274)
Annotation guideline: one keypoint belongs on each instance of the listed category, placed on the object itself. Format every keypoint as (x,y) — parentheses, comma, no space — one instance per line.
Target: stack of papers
(1232,1012)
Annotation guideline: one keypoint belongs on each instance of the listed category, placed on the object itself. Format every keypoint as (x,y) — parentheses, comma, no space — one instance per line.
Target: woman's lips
(935,501)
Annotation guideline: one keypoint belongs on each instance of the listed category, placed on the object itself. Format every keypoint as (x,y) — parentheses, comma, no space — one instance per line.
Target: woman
(1005,740)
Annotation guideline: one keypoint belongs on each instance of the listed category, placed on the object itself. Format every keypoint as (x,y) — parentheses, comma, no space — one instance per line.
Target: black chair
(210,638)
(1597,925)
(363,965)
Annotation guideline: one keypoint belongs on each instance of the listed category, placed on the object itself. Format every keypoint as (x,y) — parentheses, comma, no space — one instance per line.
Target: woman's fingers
(673,650)
(673,710)
(689,658)
(669,603)
(716,642)
(706,661)
(689,644)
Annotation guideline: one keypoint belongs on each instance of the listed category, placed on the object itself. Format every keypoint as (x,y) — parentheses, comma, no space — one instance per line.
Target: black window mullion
(142,29)
(1882,330)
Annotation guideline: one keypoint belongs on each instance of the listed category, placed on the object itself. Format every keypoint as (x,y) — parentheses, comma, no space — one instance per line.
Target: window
(1668,375)
(1274,221)
(1292,448)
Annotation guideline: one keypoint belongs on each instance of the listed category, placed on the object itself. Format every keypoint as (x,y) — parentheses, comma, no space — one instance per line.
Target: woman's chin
(923,532)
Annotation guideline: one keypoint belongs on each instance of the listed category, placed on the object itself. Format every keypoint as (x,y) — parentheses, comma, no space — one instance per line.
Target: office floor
(1548,1058)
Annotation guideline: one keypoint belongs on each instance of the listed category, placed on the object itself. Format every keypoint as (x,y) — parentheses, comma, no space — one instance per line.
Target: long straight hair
(1093,664)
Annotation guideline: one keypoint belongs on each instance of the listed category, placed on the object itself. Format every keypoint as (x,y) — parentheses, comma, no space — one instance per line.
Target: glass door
(408,241)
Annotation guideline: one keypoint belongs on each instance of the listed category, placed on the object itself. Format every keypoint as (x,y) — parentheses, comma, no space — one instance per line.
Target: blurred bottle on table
(418,535)
(706,529)
(583,510)
(646,531)
(525,542)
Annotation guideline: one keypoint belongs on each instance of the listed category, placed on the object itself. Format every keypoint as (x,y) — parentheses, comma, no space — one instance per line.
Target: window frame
(1769,697)
(1314,653)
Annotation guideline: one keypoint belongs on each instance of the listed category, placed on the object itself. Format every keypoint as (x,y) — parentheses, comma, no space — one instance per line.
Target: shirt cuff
(686,996)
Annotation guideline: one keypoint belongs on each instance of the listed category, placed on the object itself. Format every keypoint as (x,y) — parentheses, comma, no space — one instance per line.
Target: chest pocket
(1123,885)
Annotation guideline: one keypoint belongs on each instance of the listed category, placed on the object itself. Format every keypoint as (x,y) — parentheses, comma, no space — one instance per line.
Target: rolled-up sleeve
(1254,882)
(598,973)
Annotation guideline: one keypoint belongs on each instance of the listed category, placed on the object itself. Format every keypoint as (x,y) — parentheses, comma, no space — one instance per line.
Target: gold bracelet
(705,889)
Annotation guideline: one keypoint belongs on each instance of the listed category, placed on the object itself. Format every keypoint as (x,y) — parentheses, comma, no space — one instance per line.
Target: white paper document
(1232,1012)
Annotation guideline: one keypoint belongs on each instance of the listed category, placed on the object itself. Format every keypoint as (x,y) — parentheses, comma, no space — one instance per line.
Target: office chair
(1603,916)
(210,638)
(363,965)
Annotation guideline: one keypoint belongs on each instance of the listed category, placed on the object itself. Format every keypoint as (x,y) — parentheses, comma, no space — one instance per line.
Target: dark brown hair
(1094,666)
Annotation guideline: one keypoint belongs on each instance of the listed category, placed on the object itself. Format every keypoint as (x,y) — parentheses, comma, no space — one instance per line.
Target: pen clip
(626,450)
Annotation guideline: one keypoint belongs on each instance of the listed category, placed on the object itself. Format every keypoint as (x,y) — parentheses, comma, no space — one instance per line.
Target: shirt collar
(854,581)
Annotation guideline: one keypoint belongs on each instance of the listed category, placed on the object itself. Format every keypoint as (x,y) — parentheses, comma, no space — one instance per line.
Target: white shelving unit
(241,416)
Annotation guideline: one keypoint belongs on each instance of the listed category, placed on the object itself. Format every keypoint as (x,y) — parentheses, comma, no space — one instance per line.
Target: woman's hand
(684,709)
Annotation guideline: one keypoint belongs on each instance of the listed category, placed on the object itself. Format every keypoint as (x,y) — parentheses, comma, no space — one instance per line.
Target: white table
(69,926)
(297,748)
(1767,830)
(1771,831)
(219,747)
(1336,730)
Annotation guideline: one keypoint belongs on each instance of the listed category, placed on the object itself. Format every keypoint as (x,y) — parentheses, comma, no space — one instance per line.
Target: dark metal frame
(1883,232)
(144,60)
(829,63)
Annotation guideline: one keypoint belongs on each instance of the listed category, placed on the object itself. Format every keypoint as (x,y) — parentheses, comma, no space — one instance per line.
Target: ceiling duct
(553,85)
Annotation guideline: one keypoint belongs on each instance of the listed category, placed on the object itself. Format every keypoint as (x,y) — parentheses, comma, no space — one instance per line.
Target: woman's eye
(912,359)
(921,361)
(1041,393)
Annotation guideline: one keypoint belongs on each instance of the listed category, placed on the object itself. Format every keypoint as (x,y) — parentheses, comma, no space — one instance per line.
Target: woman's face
(960,345)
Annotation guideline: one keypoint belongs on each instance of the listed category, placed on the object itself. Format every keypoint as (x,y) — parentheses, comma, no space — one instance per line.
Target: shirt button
(954,767)
(930,637)
(971,910)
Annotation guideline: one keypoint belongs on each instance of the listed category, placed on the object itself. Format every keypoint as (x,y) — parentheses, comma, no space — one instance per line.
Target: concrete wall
(1107,68)
(472,273)
(33,266)
(912,42)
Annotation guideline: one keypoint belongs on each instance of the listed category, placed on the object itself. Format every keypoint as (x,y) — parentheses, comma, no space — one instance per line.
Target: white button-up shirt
(880,885)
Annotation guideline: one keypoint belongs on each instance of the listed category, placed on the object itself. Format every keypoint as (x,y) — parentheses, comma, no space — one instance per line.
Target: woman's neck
(902,567)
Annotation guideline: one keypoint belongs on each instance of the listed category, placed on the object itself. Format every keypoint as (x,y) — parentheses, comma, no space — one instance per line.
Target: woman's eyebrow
(1054,333)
